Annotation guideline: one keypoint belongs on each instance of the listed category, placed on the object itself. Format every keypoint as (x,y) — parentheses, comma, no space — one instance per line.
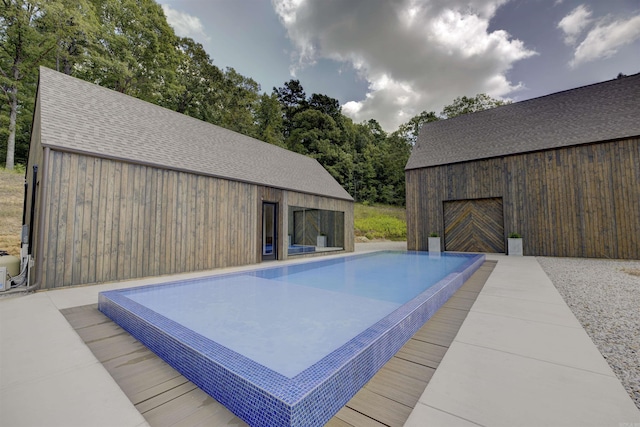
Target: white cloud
(185,25)
(574,23)
(416,54)
(606,39)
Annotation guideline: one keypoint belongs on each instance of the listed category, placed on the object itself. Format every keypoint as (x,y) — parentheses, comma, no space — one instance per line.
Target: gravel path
(605,297)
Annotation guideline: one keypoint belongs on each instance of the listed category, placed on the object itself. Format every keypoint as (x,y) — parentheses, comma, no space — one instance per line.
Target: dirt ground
(11,200)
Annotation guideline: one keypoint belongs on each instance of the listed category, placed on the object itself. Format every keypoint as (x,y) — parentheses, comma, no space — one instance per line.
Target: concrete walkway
(520,358)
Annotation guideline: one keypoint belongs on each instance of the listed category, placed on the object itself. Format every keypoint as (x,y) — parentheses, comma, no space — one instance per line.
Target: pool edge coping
(415,312)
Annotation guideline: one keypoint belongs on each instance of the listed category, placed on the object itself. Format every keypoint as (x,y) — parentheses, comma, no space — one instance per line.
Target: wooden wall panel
(108,220)
(581,201)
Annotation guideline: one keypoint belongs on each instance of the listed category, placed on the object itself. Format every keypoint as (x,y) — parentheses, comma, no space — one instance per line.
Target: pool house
(561,170)
(119,188)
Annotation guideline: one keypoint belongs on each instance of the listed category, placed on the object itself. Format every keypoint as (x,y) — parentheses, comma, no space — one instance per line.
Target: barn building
(562,170)
(127,189)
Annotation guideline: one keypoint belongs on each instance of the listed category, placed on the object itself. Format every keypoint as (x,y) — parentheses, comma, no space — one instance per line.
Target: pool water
(289,318)
(290,345)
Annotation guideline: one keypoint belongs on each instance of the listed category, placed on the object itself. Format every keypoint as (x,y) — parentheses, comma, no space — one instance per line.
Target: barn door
(474,225)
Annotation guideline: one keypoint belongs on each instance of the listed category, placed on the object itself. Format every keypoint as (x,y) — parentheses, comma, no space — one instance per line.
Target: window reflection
(315,230)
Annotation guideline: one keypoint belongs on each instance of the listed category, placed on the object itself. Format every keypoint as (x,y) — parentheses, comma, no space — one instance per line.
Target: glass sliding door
(314,230)
(269,231)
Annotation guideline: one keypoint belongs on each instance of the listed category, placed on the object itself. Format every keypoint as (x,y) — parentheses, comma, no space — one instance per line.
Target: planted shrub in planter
(434,242)
(515,244)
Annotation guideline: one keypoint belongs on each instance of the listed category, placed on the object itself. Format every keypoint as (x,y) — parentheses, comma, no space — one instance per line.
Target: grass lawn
(380,222)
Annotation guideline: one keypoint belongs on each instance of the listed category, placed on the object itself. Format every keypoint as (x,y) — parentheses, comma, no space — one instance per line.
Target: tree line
(128,46)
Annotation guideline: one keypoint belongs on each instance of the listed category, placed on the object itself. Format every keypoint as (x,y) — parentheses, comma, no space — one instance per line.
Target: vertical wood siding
(581,201)
(107,220)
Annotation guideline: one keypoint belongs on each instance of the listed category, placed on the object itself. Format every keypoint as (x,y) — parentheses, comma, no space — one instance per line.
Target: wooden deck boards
(166,398)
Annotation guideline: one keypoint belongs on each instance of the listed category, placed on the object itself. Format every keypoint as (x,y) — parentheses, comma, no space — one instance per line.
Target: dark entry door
(269,231)
(475,225)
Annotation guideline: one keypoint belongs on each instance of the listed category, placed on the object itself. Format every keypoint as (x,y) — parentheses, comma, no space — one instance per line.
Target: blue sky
(391,59)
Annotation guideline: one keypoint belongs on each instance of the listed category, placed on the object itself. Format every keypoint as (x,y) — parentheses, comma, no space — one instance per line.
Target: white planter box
(515,247)
(434,244)
(321,241)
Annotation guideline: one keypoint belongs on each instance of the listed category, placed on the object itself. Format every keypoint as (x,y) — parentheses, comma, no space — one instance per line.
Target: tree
(269,124)
(409,131)
(326,105)
(23,46)
(367,138)
(316,135)
(199,83)
(239,101)
(136,53)
(75,27)
(395,155)
(293,100)
(464,105)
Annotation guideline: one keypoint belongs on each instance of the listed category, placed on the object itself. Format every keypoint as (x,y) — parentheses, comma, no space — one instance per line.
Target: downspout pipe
(44,190)
(24,201)
(33,206)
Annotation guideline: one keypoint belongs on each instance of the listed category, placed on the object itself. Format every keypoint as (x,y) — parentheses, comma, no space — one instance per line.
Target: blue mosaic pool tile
(261,396)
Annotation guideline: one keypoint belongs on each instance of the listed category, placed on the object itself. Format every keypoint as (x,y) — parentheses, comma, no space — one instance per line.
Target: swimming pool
(290,345)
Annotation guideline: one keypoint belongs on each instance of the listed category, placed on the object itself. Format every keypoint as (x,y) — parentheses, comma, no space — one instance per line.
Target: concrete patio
(520,358)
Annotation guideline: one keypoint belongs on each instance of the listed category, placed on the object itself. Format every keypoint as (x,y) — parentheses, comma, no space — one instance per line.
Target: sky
(389,60)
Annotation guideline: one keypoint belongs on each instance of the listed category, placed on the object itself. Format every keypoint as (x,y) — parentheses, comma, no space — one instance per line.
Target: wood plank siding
(107,220)
(579,201)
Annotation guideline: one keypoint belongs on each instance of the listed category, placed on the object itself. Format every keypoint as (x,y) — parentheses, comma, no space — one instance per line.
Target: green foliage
(240,97)
(326,105)
(24,46)
(269,122)
(465,105)
(293,100)
(409,131)
(515,236)
(199,83)
(434,234)
(368,209)
(74,26)
(135,52)
(380,222)
(381,228)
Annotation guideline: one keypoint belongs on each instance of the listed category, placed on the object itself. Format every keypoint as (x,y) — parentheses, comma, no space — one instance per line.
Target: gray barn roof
(83,117)
(599,112)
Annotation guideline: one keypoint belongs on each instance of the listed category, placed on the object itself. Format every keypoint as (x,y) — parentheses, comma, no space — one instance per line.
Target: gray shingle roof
(599,112)
(84,117)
